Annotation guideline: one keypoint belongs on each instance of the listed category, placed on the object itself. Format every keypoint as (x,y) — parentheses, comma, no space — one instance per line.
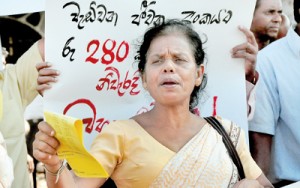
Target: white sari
(202,162)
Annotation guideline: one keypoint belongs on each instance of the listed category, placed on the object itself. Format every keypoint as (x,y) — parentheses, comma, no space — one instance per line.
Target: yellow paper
(68,131)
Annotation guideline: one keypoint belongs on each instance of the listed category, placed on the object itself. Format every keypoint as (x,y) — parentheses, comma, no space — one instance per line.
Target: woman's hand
(45,147)
(246,183)
(248,51)
(46,77)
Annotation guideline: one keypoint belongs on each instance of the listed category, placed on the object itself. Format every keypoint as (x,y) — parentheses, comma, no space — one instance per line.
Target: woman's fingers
(45,145)
(44,127)
(45,157)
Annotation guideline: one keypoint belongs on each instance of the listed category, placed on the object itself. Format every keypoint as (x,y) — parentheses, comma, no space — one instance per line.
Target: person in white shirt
(6,166)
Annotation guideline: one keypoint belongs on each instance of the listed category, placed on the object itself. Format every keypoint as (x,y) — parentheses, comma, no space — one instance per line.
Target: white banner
(93,45)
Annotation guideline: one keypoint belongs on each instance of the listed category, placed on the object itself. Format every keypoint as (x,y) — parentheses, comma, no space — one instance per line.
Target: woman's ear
(199,75)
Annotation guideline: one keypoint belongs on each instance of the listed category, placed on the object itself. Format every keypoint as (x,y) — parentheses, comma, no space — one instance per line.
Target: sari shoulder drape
(203,161)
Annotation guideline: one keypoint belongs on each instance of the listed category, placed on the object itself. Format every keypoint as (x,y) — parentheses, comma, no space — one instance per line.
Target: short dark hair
(175,26)
(296,10)
(257,4)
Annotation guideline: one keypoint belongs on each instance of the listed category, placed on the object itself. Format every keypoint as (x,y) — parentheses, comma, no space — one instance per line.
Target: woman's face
(171,72)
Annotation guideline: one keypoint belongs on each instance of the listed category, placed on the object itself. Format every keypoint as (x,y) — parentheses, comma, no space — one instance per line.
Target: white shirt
(278,104)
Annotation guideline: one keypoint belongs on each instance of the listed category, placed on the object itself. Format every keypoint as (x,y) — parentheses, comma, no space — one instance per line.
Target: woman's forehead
(171,42)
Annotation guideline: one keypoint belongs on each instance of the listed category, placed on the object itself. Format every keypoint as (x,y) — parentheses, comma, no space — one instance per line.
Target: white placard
(92,43)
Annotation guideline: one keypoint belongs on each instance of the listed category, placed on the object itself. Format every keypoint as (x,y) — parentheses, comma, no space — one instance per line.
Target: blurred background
(19,32)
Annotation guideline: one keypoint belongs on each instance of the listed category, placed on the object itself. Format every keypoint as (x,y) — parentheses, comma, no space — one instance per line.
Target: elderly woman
(168,146)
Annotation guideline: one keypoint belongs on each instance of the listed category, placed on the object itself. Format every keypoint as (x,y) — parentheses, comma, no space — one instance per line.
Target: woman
(168,146)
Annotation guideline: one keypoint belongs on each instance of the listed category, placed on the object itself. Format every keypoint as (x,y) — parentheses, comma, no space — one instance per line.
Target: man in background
(275,127)
(266,21)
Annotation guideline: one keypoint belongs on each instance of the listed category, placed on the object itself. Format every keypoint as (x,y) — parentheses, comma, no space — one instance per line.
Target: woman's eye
(180,60)
(157,61)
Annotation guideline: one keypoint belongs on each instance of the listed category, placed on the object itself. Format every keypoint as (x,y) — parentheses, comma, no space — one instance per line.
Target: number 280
(108,48)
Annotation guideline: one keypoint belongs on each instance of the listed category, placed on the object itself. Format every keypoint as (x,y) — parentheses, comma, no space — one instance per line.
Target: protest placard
(93,45)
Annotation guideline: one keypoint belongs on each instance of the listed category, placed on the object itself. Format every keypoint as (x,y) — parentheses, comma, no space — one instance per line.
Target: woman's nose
(168,66)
